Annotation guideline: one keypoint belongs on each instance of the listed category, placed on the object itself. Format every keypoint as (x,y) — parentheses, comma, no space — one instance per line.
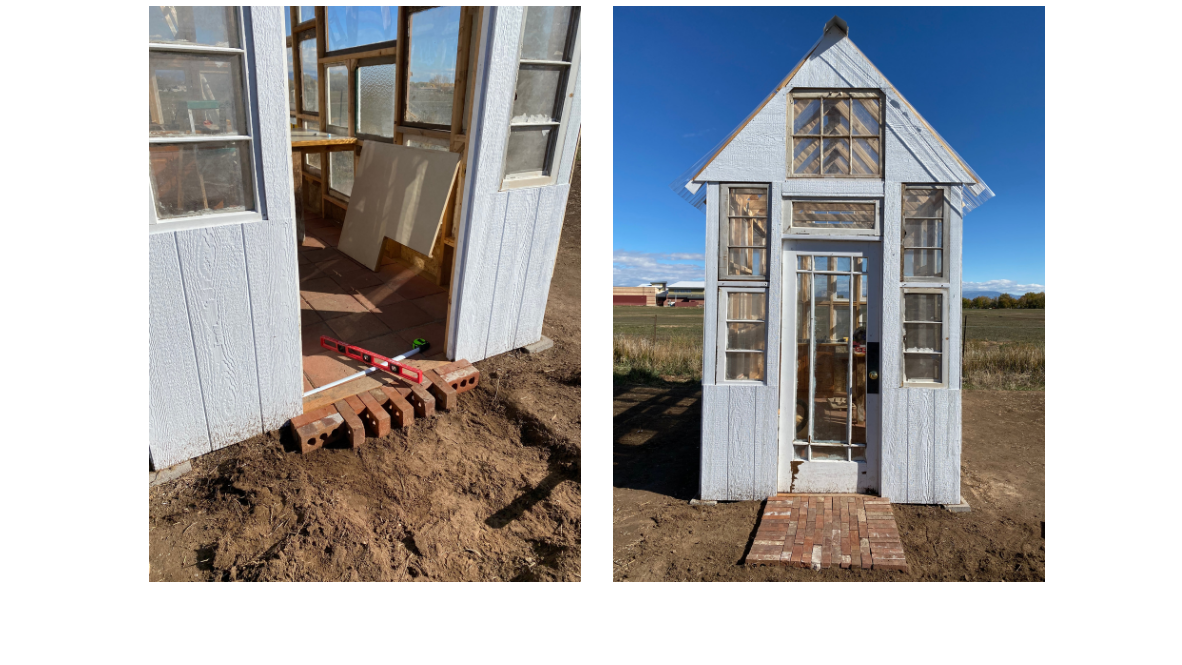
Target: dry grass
(994,366)
(636,359)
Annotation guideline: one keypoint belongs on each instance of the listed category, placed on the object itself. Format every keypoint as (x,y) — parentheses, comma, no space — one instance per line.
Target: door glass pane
(546,30)
(340,172)
(804,307)
(745,336)
(923,233)
(744,366)
(806,116)
(865,157)
(434,37)
(831,355)
(843,265)
(918,367)
(201,178)
(923,263)
(865,117)
(923,307)
(806,156)
(209,26)
(527,150)
(349,27)
(829,453)
(922,337)
(309,75)
(337,96)
(837,156)
(195,95)
(375,100)
(747,306)
(837,117)
(537,94)
(859,453)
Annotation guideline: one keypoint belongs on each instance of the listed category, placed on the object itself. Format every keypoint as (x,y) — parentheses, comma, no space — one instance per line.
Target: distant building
(686,294)
(640,296)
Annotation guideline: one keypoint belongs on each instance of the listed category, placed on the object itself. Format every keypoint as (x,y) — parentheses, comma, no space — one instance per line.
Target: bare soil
(488,491)
(658,536)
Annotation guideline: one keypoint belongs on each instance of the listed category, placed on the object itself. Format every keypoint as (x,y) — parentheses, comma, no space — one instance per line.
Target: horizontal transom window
(832,217)
(836,133)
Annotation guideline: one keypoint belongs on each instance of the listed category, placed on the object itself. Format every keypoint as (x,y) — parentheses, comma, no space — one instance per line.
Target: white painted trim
(201,221)
(723,301)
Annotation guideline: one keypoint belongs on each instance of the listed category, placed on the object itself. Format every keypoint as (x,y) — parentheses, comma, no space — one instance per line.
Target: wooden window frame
(355,92)
(724,246)
(945,228)
(823,94)
(944,335)
(405,126)
(213,218)
(723,307)
(566,87)
(813,233)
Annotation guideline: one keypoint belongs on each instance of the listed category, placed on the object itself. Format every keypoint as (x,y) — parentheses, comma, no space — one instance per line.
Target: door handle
(872,368)
(873,375)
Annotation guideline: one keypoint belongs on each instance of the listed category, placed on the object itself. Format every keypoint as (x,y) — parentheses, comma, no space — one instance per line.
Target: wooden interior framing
(439,266)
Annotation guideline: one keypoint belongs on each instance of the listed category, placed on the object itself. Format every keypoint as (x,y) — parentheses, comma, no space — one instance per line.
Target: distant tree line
(1006,301)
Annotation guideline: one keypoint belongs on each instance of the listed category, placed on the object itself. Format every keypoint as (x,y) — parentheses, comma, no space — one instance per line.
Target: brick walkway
(821,530)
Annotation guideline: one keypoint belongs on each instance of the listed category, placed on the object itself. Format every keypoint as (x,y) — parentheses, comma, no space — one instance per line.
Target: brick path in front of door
(823,530)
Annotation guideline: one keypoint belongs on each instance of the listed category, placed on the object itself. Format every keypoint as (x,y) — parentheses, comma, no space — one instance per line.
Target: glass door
(832,319)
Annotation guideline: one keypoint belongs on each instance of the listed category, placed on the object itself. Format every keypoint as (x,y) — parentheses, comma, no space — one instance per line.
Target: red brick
(313,435)
(311,416)
(354,430)
(401,412)
(445,395)
(376,417)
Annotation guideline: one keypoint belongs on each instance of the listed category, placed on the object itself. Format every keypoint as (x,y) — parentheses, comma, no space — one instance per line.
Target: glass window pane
(843,265)
(829,453)
(918,367)
(748,202)
(290,82)
(800,453)
(201,178)
(922,337)
(337,96)
(745,231)
(804,307)
(828,215)
(537,94)
(830,376)
(805,156)
(923,307)
(923,203)
(287,21)
(527,150)
(865,117)
(745,336)
(210,26)
(340,172)
(837,156)
(923,233)
(428,142)
(836,117)
(312,158)
(349,27)
(546,30)
(744,366)
(307,14)
(923,263)
(746,262)
(859,453)
(747,306)
(865,157)
(823,263)
(375,100)
(196,95)
(804,263)
(806,116)
(309,74)
(434,37)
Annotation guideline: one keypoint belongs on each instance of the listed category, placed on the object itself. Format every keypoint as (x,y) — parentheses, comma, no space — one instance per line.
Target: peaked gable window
(836,133)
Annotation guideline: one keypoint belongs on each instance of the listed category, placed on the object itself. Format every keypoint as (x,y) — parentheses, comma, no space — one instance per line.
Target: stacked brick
(822,530)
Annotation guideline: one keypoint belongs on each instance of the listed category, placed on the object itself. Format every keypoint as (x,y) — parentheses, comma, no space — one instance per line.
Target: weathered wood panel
(540,271)
(715,434)
(741,445)
(213,269)
(766,441)
(920,445)
(273,276)
(177,428)
(775,287)
(513,249)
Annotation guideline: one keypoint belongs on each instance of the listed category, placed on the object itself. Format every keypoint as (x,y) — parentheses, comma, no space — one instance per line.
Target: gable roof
(689,186)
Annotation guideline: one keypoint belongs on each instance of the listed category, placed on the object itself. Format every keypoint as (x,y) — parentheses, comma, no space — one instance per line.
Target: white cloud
(1002,286)
(632,268)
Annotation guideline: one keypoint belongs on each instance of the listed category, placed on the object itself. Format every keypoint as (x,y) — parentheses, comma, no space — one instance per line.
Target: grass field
(1005,349)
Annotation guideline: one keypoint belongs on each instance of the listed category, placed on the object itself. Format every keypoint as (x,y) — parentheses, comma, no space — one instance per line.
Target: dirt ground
(658,536)
(489,491)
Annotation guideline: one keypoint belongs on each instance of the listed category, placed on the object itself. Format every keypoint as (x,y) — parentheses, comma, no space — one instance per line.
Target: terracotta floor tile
(435,305)
(310,338)
(324,368)
(309,316)
(356,328)
(311,243)
(331,237)
(326,254)
(432,332)
(417,287)
(330,305)
(380,298)
(357,278)
(389,345)
(323,284)
(403,315)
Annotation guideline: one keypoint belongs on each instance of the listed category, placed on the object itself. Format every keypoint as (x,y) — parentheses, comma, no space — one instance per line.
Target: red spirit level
(370,358)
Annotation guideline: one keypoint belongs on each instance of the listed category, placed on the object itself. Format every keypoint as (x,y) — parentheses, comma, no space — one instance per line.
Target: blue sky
(685,77)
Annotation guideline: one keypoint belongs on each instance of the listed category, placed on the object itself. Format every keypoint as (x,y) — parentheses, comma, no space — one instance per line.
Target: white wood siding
(508,240)
(224,341)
